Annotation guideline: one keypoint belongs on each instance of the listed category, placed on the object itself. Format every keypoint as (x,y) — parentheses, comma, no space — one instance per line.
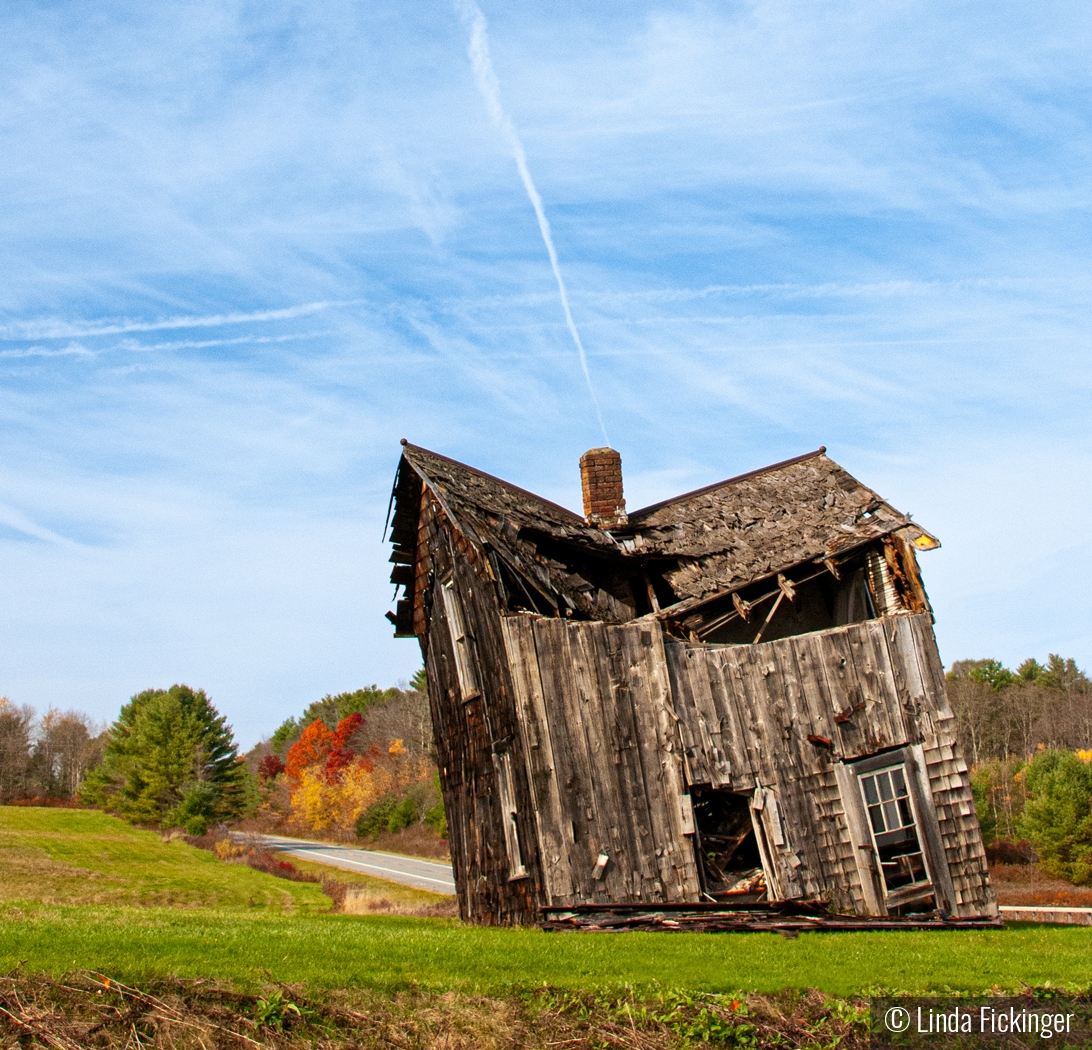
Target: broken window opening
(460,641)
(894,829)
(852,601)
(729,863)
(896,838)
(507,792)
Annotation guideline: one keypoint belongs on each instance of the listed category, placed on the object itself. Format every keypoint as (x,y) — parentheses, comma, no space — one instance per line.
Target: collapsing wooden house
(731,696)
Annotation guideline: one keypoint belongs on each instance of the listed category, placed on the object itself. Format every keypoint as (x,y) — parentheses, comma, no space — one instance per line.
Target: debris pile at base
(785,917)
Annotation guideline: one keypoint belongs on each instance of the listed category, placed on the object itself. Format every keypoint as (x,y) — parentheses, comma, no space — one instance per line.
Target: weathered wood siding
(468,733)
(745,717)
(598,728)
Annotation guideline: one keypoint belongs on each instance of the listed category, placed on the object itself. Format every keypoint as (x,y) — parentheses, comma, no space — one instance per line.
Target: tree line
(170,760)
(1028,736)
(1003,715)
(354,764)
(46,758)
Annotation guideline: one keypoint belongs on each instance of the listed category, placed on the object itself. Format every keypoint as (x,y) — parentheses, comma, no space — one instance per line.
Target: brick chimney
(601,480)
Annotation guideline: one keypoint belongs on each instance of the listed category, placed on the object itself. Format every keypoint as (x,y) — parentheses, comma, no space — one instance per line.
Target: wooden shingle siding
(467,734)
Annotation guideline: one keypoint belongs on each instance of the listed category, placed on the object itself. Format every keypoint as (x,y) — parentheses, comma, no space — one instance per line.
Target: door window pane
(894,829)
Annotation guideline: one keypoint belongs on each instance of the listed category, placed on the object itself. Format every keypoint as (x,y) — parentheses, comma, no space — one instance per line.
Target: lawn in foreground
(79,889)
(390,952)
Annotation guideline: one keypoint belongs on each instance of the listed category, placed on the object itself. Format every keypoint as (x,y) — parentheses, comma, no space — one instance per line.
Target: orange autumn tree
(324,804)
(313,746)
(332,784)
(341,755)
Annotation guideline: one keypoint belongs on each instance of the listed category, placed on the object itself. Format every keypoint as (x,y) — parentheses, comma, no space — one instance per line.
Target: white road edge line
(362,864)
(301,844)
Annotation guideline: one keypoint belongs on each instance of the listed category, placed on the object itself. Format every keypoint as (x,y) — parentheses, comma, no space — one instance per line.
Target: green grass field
(79,890)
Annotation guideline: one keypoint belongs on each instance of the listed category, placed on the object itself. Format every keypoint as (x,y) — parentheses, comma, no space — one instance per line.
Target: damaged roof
(707,542)
(759,523)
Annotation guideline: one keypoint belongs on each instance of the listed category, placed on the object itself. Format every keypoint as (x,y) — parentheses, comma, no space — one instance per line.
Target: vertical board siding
(615,725)
(608,770)
(467,734)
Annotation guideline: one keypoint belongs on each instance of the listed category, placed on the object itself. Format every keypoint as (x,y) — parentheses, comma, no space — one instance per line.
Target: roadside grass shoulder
(61,857)
(364,889)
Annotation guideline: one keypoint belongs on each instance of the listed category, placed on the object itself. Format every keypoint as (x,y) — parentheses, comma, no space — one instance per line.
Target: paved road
(410,871)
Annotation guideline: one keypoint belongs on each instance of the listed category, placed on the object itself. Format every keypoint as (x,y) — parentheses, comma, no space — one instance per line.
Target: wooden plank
(538,751)
(814,693)
(569,753)
(585,743)
(724,718)
(718,756)
(753,668)
(843,688)
(590,705)
(939,859)
(618,686)
(661,757)
(907,679)
(662,833)
(731,675)
(873,720)
(871,899)
(932,670)
(693,731)
(798,763)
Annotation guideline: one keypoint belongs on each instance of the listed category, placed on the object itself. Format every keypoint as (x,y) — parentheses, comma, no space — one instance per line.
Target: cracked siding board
(960,834)
(467,734)
(704,759)
(641,671)
(538,748)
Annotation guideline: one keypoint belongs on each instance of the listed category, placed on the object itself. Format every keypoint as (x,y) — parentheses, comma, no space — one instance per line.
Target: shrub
(271,766)
(436,818)
(391,813)
(271,864)
(403,815)
(1057,816)
(197,826)
(1008,851)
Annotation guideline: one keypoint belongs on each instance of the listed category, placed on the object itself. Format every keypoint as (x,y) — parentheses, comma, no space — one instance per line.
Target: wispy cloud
(72,350)
(60,329)
(20,522)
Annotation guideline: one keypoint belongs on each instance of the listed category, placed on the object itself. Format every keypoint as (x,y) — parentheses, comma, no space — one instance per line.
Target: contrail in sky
(486,78)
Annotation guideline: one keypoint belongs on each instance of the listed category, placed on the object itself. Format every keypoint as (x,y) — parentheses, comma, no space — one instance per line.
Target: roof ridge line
(644,511)
(500,481)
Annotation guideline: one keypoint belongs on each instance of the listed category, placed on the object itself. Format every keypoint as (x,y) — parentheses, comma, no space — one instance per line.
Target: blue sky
(247,247)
